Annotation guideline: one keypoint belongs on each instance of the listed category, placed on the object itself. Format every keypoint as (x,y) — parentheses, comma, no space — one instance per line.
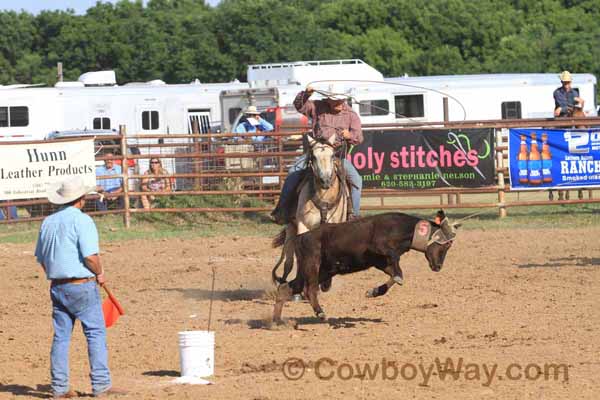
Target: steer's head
(441,240)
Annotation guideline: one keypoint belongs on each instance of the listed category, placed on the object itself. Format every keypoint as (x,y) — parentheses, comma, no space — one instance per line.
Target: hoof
(297,298)
(321,316)
(325,286)
(371,293)
(398,279)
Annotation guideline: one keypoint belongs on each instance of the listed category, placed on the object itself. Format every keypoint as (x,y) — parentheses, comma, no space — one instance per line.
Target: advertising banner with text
(554,158)
(27,169)
(425,159)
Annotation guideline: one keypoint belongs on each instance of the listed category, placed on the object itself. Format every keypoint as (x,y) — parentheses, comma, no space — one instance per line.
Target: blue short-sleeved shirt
(247,127)
(65,239)
(111,184)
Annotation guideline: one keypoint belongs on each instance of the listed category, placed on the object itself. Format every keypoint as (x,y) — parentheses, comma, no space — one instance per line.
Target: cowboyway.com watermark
(443,370)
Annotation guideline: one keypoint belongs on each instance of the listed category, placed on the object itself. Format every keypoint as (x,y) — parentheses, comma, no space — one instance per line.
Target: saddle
(324,207)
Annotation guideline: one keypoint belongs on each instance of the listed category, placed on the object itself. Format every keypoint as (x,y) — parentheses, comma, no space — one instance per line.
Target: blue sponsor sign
(554,158)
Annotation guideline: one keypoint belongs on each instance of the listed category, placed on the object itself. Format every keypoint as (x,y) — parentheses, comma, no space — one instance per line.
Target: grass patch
(190,225)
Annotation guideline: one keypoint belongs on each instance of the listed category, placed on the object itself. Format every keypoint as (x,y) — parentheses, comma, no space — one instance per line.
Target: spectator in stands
(6,212)
(252,122)
(566,99)
(154,184)
(109,185)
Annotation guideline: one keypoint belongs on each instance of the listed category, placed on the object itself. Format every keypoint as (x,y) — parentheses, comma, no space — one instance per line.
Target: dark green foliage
(180,40)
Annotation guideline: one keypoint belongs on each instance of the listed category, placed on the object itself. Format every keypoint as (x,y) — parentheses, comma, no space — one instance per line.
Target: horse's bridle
(324,206)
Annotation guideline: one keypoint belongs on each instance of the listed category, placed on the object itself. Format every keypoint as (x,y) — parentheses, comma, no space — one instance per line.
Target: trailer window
(3,117)
(14,116)
(410,106)
(150,120)
(374,107)
(233,113)
(101,123)
(511,110)
(19,116)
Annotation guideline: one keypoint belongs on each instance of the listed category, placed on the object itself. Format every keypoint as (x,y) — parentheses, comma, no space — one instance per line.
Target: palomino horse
(323,198)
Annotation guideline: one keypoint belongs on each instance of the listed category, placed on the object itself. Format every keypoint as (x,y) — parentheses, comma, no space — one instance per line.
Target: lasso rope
(325,93)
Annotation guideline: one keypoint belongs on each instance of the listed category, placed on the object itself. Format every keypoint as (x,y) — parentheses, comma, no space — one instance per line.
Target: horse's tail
(279,240)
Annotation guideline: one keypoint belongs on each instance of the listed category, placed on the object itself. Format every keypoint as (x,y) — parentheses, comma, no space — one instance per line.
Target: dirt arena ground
(521,306)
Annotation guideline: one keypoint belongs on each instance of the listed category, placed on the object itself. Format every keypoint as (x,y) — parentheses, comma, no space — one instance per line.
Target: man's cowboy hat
(335,91)
(68,190)
(565,76)
(252,110)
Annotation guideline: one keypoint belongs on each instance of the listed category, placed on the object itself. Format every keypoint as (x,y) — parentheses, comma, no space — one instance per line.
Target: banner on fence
(554,158)
(27,169)
(425,159)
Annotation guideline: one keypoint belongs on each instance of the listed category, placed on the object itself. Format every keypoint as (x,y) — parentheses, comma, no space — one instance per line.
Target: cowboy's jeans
(82,302)
(295,176)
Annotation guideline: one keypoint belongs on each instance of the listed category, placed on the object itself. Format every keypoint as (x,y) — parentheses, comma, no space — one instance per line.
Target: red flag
(111,308)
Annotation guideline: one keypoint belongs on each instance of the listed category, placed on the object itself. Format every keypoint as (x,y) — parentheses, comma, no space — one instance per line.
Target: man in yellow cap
(565,97)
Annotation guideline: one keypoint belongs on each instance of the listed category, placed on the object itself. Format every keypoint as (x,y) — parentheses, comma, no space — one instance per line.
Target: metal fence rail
(247,175)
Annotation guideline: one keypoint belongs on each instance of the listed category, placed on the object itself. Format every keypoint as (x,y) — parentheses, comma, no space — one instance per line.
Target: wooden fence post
(499,168)
(281,169)
(450,196)
(125,175)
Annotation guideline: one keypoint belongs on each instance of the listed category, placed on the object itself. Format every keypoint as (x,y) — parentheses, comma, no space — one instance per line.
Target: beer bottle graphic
(522,158)
(535,163)
(546,160)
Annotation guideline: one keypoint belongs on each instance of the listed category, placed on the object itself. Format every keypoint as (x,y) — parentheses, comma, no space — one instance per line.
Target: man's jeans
(10,211)
(82,302)
(103,205)
(295,175)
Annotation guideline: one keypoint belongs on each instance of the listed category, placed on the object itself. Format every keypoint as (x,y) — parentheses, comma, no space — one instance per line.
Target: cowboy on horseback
(331,116)
(566,98)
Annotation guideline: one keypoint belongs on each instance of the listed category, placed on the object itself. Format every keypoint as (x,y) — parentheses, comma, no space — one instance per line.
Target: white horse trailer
(95,102)
(376,99)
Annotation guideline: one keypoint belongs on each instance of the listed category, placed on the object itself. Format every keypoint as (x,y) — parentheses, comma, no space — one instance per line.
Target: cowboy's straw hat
(68,190)
(335,91)
(252,110)
(565,76)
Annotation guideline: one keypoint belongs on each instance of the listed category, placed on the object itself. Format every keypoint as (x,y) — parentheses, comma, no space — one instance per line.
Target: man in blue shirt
(566,98)
(252,122)
(109,185)
(67,248)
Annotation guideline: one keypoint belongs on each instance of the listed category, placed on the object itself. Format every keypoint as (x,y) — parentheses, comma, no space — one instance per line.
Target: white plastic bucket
(197,353)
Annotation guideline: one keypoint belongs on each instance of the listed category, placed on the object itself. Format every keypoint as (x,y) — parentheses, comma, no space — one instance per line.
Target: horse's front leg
(288,248)
(284,293)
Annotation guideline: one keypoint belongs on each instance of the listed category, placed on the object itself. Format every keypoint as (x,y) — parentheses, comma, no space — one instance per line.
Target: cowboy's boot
(279,214)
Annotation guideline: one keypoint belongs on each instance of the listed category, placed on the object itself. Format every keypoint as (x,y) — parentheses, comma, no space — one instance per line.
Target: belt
(74,281)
